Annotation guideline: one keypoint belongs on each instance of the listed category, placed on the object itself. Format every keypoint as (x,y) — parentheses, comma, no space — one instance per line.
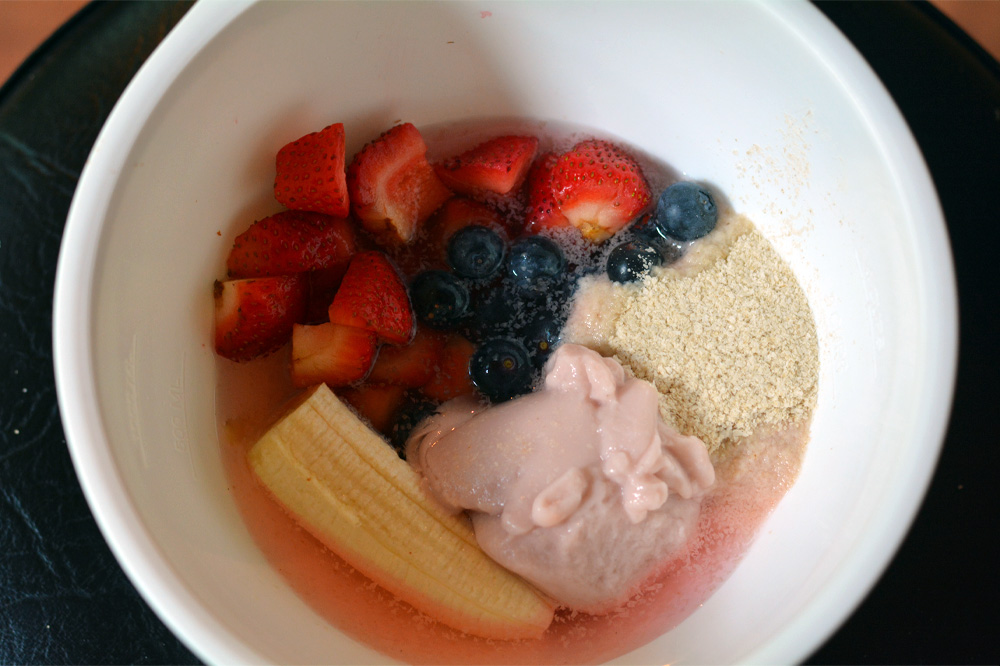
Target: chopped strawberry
(543,213)
(254,317)
(412,365)
(496,166)
(392,186)
(599,188)
(372,296)
(452,378)
(291,242)
(309,173)
(331,353)
(376,402)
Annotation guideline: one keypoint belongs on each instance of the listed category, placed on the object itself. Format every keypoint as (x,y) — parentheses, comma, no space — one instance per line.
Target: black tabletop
(63,597)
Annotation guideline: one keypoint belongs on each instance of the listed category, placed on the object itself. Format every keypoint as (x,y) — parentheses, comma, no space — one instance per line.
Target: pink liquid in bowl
(748,487)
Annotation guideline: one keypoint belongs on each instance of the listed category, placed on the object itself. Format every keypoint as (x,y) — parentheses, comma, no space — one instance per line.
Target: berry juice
(748,487)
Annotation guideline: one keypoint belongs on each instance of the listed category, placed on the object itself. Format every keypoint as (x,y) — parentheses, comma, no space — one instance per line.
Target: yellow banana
(345,485)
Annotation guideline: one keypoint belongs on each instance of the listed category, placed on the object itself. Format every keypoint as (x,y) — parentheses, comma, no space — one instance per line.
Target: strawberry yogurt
(579,487)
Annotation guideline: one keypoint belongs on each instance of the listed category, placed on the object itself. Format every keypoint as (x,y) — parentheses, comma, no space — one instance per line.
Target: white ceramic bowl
(766,101)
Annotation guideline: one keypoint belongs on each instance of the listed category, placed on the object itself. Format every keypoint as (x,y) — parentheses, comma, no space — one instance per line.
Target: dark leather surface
(64,599)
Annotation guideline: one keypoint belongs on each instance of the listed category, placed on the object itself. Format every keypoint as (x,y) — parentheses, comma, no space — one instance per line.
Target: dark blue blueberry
(534,262)
(475,252)
(501,369)
(633,260)
(541,335)
(440,300)
(406,419)
(685,211)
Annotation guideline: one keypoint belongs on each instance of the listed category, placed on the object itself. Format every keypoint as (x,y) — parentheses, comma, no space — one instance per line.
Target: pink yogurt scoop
(579,487)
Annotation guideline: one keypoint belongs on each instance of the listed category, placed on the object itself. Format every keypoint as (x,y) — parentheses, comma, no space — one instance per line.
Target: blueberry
(501,369)
(685,211)
(407,418)
(633,259)
(475,252)
(440,300)
(541,335)
(534,262)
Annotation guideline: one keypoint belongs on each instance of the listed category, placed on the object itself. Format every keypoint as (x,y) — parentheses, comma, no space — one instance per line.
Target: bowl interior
(766,102)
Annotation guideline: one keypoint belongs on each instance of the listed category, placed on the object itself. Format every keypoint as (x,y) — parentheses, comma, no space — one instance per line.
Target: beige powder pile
(730,349)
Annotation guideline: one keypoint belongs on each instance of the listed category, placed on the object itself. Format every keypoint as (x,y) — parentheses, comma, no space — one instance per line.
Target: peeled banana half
(347,487)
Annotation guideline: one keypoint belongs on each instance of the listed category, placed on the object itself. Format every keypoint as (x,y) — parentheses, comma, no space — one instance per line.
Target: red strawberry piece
(309,173)
(542,213)
(412,365)
(291,242)
(331,353)
(496,166)
(599,188)
(254,316)
(377,403)
(372,296)
(393,187)
(452,378)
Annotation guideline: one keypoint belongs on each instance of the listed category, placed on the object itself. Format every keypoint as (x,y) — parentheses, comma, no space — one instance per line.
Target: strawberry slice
(291,242)
(254,317)
(331,353)
(392,187)
(496,166)
(309,173)
(542,213)
(410,366)
(452,378)
(372,296)
(599,188)
(377,403)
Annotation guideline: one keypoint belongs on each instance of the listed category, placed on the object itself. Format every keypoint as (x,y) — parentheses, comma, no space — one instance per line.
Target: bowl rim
(103,485)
